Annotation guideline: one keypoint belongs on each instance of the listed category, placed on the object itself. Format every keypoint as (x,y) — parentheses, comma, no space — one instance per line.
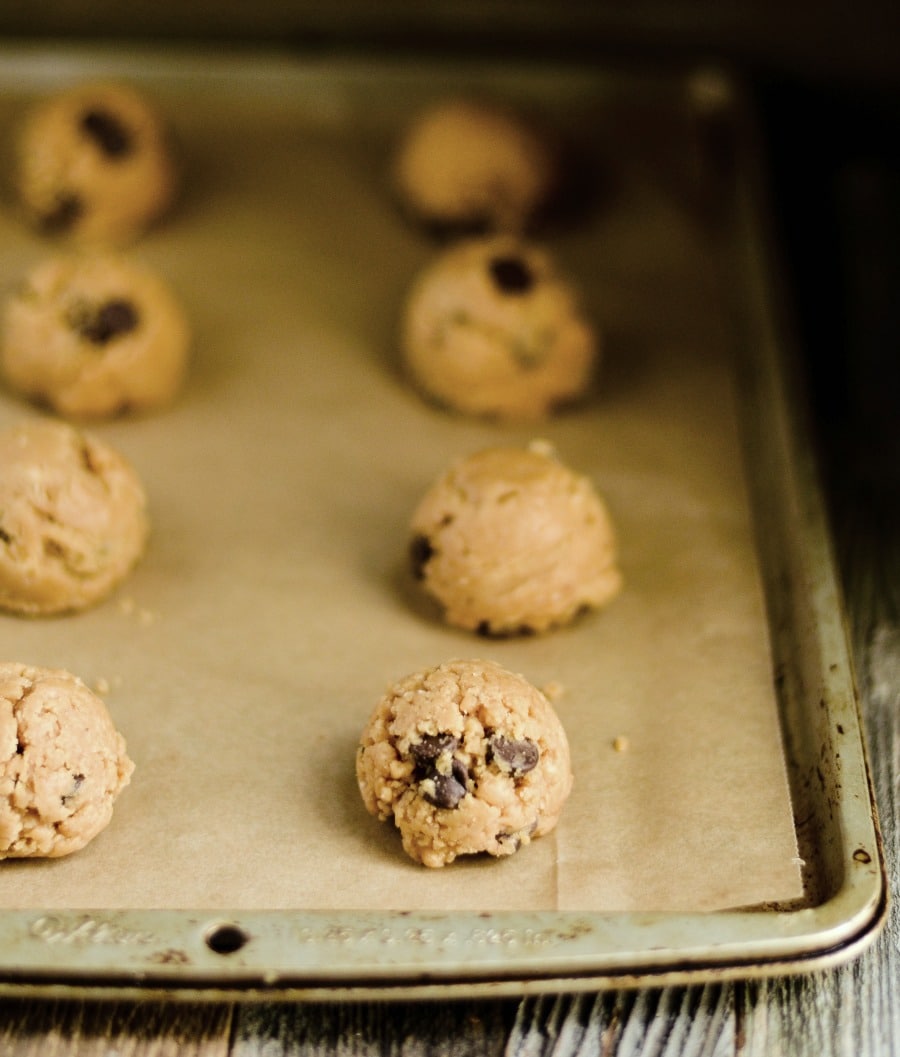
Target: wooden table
(853,1010)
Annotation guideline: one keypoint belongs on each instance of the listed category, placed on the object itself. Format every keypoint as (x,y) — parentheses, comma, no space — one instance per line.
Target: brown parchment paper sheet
(245,653)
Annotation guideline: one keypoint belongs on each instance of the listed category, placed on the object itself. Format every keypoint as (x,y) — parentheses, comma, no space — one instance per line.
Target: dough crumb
(467,758)
(73,519)
(62,762)
(94,335)
(494,328)
(95,163)
(510,541)
(553,690)
(467,164)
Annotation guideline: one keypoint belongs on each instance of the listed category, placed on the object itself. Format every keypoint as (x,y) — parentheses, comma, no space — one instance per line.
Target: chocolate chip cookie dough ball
(510,541)
(473,165)
(73,519)
(95,162)
(94,335)
(62,763)
(467,758)
(493,329)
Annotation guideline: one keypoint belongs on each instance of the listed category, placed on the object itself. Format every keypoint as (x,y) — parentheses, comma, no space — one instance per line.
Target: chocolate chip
(65,212)
(512,275)
(108,132)
(517,837)
(515,757)
(77,782)
(431,746)
(450,230)
(5,536)
(485,630)
(420,554)
(446,790)
(110,320)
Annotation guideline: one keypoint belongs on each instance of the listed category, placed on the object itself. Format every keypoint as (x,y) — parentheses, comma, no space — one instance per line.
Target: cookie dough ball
(62,763)
(473,165)
(95,162)
(73,519)
(493,329)
(93,336)
(510,541)
(467,757)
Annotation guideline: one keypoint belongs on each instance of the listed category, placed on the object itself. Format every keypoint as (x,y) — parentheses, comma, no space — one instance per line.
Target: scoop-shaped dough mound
(476,165)
(62,762)
(94,335)
(492,328)
(511,541)
(466,757)
(95,162)
(73,519)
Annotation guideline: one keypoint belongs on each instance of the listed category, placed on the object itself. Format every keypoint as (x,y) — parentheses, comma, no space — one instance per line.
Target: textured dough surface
(73,518)
(511,541)
(95,162)
(93,336)
(466,757)
(62,762)
(474,165)
(492,328)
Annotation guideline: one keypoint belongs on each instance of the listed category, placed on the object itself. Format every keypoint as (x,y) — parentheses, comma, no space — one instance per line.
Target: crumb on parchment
(553,690)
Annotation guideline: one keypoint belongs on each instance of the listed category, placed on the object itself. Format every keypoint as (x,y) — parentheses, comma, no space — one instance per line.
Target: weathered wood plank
(449,1029)
(687,1022)
(123,1029)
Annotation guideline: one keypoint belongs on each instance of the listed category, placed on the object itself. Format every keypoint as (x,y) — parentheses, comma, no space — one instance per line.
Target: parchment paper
(245,653)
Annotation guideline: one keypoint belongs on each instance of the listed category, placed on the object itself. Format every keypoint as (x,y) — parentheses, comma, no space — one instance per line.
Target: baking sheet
(243,656)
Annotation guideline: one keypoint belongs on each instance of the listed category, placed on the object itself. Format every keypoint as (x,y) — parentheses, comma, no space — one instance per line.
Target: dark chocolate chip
(516,757)
(446,790)
(451,230)
(426,751)
(5,536)
(77,782)
(110,320)
(485,630)
(518,836)
(108,132)
(420,554)
(65,212)
(512,275)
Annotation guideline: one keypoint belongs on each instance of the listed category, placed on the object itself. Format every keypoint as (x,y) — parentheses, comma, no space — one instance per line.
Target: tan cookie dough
(474,165)
(93,336)
(62,763)
(95,162)
(467,758)
(492,328)
(510,541)
(73,519)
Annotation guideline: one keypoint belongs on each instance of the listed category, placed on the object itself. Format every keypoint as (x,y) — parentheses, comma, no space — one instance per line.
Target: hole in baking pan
(226,939)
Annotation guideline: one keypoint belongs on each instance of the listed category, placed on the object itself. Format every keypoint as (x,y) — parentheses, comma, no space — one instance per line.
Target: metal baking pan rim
(425,986)
(738,944)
